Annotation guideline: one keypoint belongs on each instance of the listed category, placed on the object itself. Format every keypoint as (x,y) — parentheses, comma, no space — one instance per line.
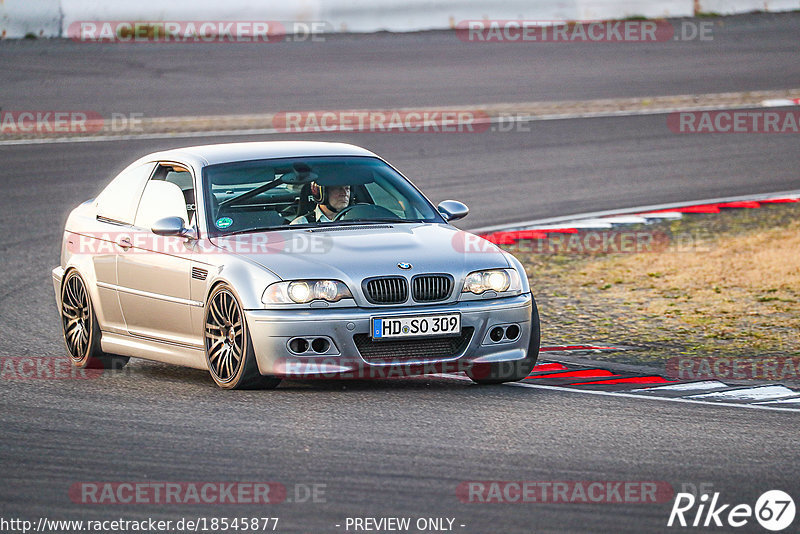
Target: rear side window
(119,199)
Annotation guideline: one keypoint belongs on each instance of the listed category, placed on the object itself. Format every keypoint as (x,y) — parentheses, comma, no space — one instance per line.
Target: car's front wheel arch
(227,344)
(500,372)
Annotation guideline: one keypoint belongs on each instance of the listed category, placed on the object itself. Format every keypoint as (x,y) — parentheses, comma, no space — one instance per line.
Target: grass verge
(725,285)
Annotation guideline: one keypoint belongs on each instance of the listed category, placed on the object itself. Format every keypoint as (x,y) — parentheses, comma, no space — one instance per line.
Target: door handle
(124,242)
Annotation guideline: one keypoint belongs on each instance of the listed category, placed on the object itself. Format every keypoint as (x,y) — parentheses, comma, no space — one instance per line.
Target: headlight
(497,280)
(303,291)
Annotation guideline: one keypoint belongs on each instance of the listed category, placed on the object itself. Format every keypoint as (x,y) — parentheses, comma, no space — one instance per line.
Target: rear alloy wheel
(497,373)
(229,352)
(81,329)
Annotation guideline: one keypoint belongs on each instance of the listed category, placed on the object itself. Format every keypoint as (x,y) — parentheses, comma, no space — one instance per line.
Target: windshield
(309,192)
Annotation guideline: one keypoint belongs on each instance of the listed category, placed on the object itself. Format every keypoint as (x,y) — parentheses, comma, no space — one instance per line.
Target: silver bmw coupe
(263,261)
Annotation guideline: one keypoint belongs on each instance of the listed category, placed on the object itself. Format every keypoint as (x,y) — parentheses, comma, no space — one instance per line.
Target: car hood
(352,253)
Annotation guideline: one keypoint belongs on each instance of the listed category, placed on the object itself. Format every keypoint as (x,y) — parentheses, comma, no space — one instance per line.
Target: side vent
(198,273)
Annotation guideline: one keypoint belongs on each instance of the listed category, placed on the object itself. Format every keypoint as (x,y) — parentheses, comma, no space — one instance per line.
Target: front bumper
(272,330)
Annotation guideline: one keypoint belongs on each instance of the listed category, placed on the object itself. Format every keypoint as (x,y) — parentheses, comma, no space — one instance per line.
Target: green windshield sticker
(224,222)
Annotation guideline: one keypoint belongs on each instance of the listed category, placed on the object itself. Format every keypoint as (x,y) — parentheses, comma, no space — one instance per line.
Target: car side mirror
(172,226)
(453,210)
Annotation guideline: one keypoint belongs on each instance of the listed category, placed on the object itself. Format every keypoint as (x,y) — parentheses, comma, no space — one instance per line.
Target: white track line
(631,395)
(491,120)
(782,401)
(626,219)
(590,224)
(647,397)
(780,102)
(756,393)
(558,222)
(689,386)
(137,137)
(670,215)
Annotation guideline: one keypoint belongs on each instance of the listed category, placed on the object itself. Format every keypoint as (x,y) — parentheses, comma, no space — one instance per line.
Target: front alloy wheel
(229,352)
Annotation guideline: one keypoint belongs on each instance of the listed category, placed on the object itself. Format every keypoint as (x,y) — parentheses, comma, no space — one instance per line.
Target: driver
(330,201)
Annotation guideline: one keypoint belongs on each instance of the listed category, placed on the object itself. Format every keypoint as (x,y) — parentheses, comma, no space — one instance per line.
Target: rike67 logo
(774,510)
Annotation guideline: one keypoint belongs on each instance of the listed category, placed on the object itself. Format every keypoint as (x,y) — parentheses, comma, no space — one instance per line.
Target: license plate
(446,324)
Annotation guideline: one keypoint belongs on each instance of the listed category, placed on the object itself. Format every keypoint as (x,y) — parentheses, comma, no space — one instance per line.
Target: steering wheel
(364,211)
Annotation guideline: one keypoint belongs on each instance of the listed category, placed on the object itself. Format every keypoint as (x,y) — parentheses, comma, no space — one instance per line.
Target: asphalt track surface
(748,52)
(396,447)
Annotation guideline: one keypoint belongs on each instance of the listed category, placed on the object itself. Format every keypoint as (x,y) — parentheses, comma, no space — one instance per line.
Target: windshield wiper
(254,230)
(376,220)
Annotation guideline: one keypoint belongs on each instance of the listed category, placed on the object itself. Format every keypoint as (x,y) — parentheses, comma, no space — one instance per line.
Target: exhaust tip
(512,332)
(298,345)
(320,345)
(496,334)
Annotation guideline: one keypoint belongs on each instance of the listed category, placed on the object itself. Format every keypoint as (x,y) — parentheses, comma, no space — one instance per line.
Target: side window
(388,198)
(168,193)
(118,201)
(183,179)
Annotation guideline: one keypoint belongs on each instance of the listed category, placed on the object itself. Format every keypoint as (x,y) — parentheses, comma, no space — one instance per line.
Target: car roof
(231,152)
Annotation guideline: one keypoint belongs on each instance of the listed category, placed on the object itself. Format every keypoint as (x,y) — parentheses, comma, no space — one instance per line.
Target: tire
(80,328)
(229,351)
(500,372)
